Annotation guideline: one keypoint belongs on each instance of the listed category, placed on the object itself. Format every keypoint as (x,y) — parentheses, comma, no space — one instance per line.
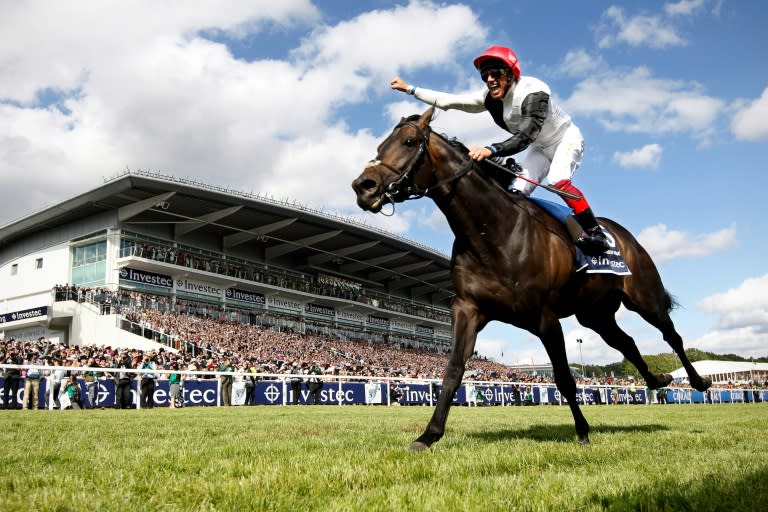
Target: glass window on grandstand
(89,264)
(199,305)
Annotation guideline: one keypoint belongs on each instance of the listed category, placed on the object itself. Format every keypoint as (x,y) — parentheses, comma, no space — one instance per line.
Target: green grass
(674,457)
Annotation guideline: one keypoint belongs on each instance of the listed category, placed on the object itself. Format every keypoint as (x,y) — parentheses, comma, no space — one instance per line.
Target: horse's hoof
(703,384)
(584,440)
(417,446)
(659,381)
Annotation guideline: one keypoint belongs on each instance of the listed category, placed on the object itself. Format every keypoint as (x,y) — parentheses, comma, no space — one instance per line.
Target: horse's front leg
(551,334)
(464,330)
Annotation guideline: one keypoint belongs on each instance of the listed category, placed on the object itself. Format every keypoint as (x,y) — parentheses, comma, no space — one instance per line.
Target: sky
(291,98)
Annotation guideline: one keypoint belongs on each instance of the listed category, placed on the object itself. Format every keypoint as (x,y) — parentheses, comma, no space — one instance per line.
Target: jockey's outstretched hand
(399,84)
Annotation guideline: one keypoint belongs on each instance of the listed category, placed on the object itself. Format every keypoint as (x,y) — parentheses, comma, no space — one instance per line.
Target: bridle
(405,180)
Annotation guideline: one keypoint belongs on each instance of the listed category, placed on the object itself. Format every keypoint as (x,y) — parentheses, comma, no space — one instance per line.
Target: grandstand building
(200,248)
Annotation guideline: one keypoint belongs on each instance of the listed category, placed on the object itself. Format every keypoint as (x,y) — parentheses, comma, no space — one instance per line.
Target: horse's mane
(451,141)
(486,171)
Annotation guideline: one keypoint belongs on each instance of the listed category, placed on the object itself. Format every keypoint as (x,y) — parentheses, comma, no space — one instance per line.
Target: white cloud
(637,102)
(683,7)
(742,319)
(646,156)
(751,122)
(366,43)
(160,95)
(641,30)
(59,45)
(579,62)
(745,341)
(436,221)
(664,244)
(745,306)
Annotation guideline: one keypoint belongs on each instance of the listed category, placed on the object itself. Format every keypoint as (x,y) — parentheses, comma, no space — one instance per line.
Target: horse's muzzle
(370,193)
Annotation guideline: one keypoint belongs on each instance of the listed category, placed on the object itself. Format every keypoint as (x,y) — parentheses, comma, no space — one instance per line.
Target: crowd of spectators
(140,314)
(320,284)
(204,340)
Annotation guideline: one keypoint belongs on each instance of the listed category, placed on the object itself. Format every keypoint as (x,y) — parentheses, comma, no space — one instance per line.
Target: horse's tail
(670,303)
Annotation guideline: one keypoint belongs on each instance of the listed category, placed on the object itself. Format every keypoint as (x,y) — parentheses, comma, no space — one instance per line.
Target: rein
(413,190)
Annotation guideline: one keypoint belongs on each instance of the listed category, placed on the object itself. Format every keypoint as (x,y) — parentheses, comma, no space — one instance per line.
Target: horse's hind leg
(653,303)
(663,323)
(605,325)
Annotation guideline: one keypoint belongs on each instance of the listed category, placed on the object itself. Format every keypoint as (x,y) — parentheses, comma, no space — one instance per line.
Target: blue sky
(291,99)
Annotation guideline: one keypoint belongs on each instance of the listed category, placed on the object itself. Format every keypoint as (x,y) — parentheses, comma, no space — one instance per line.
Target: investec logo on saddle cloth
(610,262)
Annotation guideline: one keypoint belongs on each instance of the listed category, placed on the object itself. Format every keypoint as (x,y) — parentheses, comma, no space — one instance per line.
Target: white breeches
(554,163)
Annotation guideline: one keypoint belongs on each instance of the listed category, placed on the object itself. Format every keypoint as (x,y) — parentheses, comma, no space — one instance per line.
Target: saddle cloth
(610,262)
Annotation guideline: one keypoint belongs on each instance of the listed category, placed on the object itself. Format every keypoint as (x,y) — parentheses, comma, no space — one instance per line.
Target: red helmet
(503,54)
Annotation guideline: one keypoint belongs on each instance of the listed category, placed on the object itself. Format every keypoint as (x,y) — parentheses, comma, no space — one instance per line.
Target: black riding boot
(591,239)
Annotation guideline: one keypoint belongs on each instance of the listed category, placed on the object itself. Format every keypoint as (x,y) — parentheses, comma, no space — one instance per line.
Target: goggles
(494,73)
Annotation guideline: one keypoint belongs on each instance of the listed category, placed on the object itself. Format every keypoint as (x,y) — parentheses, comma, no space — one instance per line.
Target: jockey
(522,106)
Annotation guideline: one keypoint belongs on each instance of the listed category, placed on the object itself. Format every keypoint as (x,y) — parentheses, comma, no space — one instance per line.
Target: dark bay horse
(514,263)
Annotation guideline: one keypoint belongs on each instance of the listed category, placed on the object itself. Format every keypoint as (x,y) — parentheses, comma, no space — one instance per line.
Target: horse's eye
(410,142)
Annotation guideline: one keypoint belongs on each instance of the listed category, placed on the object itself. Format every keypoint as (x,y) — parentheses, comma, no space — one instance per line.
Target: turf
(647,458)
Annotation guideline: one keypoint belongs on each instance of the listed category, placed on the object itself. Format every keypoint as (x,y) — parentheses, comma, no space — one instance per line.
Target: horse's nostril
(364,185)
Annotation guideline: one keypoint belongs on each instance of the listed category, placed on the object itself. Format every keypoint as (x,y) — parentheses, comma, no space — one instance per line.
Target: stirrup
(593,242)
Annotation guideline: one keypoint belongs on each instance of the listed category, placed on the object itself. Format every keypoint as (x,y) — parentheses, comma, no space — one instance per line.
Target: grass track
(652,458)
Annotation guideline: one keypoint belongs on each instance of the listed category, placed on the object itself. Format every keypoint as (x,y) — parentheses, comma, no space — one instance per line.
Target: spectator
(72,394)
(516,397)
(91,382)
(226,382)
(295,381)
(123,382)
(471,395)
(148,377)
(528,396)
(315,384)
(250,383)
(395,393)
(174,384)
(32,383)
(55,379)
(12,379)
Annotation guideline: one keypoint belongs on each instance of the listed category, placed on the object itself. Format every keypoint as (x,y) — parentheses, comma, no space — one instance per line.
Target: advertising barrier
(277,390)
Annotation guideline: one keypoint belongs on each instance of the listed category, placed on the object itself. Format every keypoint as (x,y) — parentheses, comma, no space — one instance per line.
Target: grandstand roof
(262,228)
(723,368)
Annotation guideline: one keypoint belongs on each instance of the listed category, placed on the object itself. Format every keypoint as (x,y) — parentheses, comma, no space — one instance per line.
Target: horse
(514,263)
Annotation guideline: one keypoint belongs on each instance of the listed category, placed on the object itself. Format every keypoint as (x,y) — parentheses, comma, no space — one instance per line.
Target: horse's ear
(426,117)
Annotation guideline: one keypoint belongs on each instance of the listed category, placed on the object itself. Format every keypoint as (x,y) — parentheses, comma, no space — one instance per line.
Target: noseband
(405,177)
